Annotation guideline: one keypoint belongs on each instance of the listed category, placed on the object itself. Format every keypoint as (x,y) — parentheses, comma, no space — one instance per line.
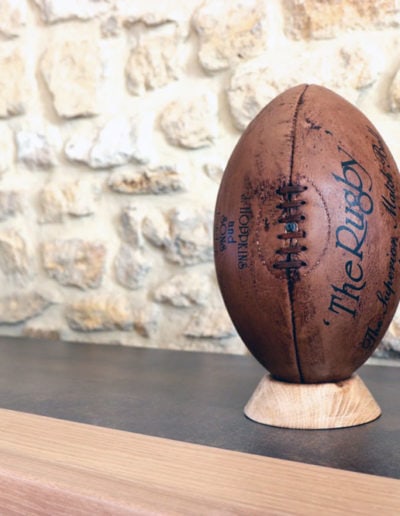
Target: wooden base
(312,406)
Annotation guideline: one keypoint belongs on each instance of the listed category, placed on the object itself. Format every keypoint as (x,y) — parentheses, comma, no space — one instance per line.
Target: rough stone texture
(10,203)
(72,71)
(110,27)
(153,63)
(101,312)
(394,93)
(60,10)
(146,321)
(38,148)
(191,123)
(75,262)
(6,148)
(214,171)
(210,323)
(117,142)
(12,17)
(323,19)
(160,180)
(156,229)
(131,267)
(346,69)
(184,290)
(19,307)
(75,198)
(154,13)
(250,90)
(361,65)
(191,236)
(185,234)
(230,32)
(14,256)
(130,226)
(13,82)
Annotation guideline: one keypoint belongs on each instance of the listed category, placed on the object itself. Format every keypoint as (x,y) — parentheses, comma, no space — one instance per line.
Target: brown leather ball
(306,236)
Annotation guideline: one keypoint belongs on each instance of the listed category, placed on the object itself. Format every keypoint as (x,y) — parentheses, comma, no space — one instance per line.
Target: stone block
(53,11)
(131,267)
(10,204)
(130,223)
(75,262)
(318,19)
(14,85)
(12,17)
(58,199)
(104,312)
(230,32)
(72,70)
(118,142)
(154,62)
(210,323)
(15,262)
(38,147)
(184,290)
(19,307)
(191,123)
(156,181)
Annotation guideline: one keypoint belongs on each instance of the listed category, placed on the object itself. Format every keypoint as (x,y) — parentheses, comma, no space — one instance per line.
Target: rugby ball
(306,236)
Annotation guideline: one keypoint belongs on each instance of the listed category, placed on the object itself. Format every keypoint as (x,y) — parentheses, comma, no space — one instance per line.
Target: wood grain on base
(49,466)
(312,406)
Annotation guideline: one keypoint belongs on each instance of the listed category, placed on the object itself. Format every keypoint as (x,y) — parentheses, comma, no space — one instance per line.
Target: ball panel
(337,145)
(247,281)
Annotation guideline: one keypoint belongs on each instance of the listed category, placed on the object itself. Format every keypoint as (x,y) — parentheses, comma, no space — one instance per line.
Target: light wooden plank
(49,466)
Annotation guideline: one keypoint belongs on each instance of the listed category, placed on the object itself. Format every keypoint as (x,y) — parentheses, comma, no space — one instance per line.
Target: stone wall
(116,120)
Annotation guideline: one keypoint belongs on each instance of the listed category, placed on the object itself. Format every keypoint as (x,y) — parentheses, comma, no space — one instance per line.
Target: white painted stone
(149,180)
(154,13)
(154,62)
(38,148)
(210,323)
(362,62)
(230,32)
(190,236)
(72,71)
(131,267)
(14,86)
(117,142)
(130,226)
(184,290)
(394,93)
(214,171)
(184,234)
(322,20)
(10,204)
(191,123)
(21,306)
(250,90)
(103,312)
(7,148)
(110,27)
(77,198)
(156,229)
(75,262)
(15,262)
(345,69)
(60,10)
(146,320)
(12,17)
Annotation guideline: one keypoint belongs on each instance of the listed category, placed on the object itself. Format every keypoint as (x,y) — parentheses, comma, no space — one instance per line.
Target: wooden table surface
(88,429)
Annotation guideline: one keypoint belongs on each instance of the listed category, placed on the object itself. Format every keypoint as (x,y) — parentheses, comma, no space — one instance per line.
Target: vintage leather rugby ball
(306,236)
